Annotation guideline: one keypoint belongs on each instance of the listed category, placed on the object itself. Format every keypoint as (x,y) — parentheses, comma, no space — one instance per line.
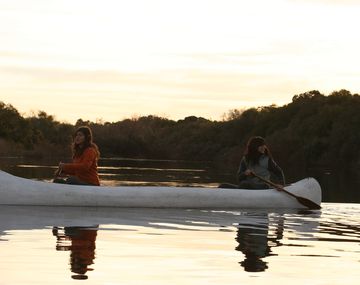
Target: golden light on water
(182,246)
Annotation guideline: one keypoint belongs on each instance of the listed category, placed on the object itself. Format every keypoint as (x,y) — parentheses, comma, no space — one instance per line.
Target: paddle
(306,202)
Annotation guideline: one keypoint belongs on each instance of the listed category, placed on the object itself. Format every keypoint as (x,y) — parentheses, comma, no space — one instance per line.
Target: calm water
(40,245)
(116,172)
(67,245)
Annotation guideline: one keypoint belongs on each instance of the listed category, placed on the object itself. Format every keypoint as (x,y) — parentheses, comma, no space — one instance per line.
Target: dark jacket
(275,171)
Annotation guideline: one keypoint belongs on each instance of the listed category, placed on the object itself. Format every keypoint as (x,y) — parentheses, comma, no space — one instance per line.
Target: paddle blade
(308,203)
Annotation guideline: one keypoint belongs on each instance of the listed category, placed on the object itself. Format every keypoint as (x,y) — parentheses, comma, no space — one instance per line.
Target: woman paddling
(83,169)
(257,159)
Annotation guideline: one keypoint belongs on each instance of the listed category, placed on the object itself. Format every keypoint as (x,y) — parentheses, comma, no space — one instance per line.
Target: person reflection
(256,240)
(80,241)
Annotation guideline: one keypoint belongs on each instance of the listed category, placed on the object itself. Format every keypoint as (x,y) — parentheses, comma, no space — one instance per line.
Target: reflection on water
(256,240)
(152,246)
(80,241)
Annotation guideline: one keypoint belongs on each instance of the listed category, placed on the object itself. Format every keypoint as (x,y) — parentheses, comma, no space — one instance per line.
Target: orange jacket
(84,167)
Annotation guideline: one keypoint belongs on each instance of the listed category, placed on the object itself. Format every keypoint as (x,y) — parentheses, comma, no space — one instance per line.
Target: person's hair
(252,154)
(78,150)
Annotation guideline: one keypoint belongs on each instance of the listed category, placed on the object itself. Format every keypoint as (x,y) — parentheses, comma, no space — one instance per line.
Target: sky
(110,60)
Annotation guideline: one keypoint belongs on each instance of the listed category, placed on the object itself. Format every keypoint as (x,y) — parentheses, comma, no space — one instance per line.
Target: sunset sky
(116,59)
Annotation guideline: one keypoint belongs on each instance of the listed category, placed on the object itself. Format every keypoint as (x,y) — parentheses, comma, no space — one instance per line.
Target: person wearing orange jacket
(83,169)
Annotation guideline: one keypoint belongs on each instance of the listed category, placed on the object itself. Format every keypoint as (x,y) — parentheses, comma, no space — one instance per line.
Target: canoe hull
(20,191)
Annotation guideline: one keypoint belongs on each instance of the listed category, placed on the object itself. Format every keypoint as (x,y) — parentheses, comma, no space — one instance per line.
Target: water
(39,245)
(120,171)
(68,245)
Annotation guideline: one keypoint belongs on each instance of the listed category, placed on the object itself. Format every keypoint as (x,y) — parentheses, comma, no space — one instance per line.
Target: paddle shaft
(306,202)
(274,185)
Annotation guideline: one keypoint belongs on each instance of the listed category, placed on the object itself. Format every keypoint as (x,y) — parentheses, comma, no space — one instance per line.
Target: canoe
(20,191)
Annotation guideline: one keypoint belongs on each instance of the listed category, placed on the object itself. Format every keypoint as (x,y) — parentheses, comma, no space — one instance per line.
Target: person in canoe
(258,160)
(83,169)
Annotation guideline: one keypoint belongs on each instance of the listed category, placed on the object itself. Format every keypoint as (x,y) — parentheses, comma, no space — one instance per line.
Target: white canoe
(20,191)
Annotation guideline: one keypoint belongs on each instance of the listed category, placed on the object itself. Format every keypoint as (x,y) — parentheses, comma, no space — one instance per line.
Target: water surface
(63,245)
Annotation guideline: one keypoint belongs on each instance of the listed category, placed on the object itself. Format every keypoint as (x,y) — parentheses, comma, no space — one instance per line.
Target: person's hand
(248,172)
(59,169)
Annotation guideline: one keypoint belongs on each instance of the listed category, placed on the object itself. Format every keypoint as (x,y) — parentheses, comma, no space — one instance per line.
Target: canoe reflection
(256,236)
(80,241)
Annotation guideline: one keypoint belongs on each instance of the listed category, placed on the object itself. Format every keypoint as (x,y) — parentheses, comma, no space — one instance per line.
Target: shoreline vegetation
(315,135)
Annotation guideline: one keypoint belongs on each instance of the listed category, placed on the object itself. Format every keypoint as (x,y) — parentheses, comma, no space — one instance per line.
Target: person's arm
(277,171)
(242,169)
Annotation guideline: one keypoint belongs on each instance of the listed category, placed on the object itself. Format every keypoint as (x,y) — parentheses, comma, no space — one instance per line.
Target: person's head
(256,146)
(83,136)
(83,139)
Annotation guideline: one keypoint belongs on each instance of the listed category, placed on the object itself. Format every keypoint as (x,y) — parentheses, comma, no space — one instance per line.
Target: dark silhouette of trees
(39,134)
(13,127)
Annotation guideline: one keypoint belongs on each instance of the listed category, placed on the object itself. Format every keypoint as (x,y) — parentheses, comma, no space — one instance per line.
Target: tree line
(314,131)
